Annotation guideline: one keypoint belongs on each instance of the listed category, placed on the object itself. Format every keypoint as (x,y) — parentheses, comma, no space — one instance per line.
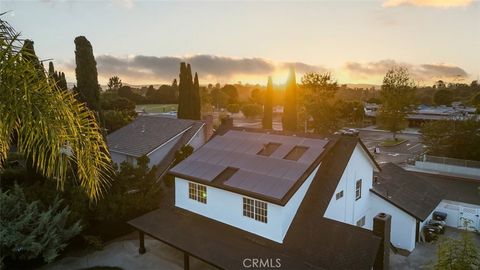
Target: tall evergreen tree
(88,89)
(175,89)
(290,105)
(268,106)
(196,99)
(63,82)
(28,53)
(183,102)
(51,69)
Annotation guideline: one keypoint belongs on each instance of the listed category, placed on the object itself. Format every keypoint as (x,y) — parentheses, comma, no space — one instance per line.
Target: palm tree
(52,129)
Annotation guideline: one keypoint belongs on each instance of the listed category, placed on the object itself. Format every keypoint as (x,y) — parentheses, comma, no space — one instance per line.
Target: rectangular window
(268,149)
(255,209)
(339,195)
(361,222)
(197,192)
(296,153)
(358,190)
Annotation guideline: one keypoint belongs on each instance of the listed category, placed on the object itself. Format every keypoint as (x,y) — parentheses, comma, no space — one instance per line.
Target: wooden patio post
(141,236)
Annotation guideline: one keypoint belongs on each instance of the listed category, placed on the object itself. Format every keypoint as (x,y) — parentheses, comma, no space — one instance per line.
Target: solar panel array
(270,176)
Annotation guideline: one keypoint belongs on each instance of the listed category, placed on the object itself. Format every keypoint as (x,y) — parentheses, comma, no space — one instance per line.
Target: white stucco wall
(227,207)
(403,230)
(347,209)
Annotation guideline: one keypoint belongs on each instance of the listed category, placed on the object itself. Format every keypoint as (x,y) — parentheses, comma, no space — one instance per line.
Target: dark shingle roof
(407,191)
(312,242)
(146,133)
(454,188)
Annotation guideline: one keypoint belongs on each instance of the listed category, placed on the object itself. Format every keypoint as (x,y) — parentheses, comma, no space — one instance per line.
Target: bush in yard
(29,230)
(233,108)
(458,253)
(252,110)
(134,191)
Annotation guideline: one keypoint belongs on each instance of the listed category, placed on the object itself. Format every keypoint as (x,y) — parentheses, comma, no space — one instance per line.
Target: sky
(357,41)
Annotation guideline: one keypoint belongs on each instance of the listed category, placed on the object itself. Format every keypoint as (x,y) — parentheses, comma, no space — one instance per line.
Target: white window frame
(358,190)
(339,195)
(197,192)
(361,222)
(255,209)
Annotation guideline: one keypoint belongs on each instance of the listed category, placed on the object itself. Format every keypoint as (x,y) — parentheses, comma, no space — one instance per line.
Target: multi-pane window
(358,189)
(361,222)
(197,192)
(255,209)
(339,195)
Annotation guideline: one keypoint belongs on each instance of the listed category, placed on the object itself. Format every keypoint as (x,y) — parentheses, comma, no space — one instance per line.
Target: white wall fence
(458,213)
(449,165)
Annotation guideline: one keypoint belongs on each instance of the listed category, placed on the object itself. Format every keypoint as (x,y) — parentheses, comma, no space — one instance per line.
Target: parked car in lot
(348,132)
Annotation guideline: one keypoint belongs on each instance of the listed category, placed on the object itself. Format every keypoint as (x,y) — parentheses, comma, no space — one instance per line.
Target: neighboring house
(412,197)
(263,194)
(156,137)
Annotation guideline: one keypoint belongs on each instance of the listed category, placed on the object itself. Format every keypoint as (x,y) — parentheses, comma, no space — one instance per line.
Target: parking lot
(397,154)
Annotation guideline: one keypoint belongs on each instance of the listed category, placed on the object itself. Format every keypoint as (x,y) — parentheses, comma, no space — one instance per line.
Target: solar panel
(269,175)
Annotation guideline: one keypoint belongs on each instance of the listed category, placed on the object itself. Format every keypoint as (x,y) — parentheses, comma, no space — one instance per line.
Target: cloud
(423,72)
(155,69)
(427,3)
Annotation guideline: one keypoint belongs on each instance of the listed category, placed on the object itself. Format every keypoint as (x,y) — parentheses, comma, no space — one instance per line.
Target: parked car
(348,132)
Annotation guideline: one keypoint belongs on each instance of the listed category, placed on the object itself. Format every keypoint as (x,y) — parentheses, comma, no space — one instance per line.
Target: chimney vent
(381,228)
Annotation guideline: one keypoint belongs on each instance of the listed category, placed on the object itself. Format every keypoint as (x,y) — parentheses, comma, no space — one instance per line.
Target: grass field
(156,108)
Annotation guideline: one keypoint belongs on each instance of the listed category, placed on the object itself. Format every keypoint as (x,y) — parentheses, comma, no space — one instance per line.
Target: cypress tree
(196,99)
(88,89)
(183,92)
(268,106)
(290,107)
(28,53)
(51,69)
(63,82)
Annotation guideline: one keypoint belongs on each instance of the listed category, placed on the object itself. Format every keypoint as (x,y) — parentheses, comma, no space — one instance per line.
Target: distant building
(424,113)
(157,137)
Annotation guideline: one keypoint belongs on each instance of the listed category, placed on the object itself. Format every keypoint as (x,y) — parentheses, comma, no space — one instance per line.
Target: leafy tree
(318,100)
(290,105)
(443,97)
(29,230)
(127,92)
(88,89)
(251,110)
(52,129)
(219,98)
(114,83)
(461,254)
(118,111)
(455,139)
(135,191)
(232,93)
(268,106)
(257,96)
(398,96)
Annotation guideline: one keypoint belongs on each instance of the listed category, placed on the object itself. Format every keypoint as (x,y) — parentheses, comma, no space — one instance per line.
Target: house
(412,197)
(252,195)
(157,137)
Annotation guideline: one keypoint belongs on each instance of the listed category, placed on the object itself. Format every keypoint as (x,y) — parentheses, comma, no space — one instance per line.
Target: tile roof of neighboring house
(146,133)
(407,191)
(270,177)
(312,242)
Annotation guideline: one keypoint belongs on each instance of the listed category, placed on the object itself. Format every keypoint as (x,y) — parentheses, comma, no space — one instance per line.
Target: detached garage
(412,197)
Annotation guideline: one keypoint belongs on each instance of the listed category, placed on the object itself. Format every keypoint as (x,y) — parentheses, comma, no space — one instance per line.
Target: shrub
(29,230)
(233,108)
(252,110)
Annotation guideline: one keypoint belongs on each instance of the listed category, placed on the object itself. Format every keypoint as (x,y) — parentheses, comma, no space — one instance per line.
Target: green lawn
(389,143)
(156,108)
